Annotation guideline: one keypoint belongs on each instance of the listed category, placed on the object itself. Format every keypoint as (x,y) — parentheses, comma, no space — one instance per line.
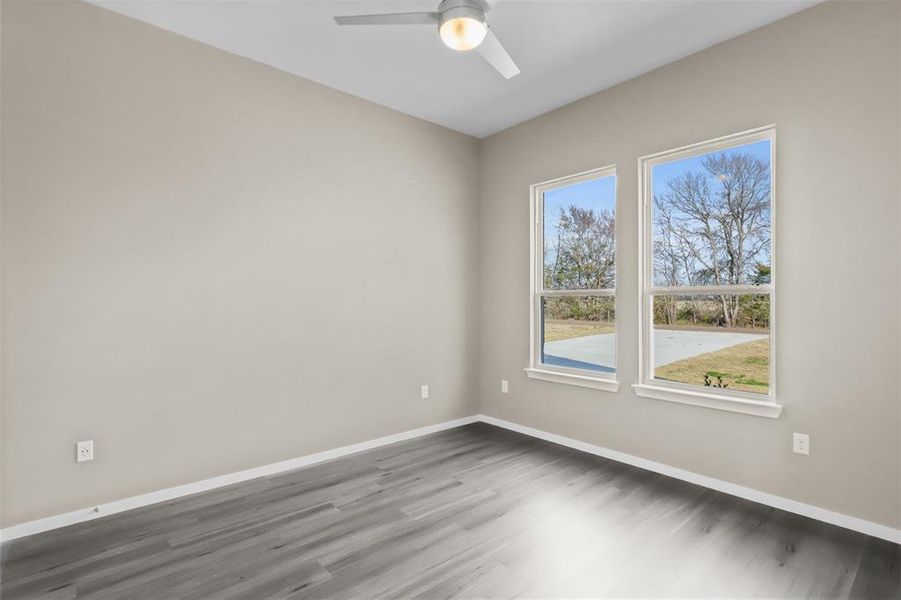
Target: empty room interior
(450,299)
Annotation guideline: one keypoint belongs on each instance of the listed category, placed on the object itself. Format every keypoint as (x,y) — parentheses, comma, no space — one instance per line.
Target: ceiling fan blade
(414,18)
(492,51)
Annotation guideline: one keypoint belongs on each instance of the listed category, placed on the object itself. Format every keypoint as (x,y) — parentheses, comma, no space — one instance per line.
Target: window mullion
(713,290)
(589,292)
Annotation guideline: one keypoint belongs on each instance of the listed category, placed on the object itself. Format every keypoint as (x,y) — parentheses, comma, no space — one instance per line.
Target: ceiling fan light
(463,32)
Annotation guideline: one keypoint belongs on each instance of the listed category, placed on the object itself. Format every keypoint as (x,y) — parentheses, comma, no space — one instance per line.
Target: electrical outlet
(84,451)
(505,386)
(801,443)
(424,391)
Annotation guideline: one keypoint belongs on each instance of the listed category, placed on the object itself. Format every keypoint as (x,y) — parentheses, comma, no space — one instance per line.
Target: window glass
(579,232)
(711,218)
(716,341)
(578,332)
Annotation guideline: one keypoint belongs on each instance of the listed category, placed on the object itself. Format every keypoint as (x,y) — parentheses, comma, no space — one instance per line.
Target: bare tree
(584,258)
(712,227)
(585,250)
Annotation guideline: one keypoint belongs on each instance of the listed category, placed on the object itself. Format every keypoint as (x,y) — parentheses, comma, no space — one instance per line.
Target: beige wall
(211,265)
(829,78)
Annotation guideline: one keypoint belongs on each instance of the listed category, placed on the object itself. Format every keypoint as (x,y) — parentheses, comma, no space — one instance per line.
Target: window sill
(759,408)
(608,385)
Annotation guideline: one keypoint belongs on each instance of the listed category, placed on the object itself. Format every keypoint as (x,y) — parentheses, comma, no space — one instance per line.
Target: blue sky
(662,173)
(596,194)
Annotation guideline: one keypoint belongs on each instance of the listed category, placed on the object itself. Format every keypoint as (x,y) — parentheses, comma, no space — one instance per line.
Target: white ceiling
(567,49)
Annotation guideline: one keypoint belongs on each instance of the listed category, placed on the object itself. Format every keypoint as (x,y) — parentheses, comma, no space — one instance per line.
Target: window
(573,280)
(707,274)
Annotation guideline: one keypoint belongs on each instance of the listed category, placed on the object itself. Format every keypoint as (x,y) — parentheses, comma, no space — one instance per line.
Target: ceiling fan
(462,25)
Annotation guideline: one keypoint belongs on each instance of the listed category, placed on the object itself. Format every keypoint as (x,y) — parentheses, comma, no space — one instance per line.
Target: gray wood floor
(470,512)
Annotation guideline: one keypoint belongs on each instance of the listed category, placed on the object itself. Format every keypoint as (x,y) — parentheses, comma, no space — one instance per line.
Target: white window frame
(650,387)
(537,369)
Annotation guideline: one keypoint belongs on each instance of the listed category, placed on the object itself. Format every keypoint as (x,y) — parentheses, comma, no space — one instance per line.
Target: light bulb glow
(462,33)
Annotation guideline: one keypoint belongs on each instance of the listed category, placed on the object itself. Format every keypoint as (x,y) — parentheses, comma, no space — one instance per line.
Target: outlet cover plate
(84,451)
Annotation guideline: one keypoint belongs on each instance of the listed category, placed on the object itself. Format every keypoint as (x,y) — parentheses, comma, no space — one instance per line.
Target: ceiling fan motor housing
(455,9)
(462,26)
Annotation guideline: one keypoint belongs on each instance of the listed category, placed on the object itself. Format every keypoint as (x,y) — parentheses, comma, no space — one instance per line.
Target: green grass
(744,367)
(556,330)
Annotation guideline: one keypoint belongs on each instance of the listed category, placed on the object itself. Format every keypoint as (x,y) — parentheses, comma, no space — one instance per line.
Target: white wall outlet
(801,443)
(505,386)
(84,451)
(424,391)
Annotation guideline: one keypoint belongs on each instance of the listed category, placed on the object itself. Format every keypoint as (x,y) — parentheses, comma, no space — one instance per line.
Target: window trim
(650,387)
(537,369)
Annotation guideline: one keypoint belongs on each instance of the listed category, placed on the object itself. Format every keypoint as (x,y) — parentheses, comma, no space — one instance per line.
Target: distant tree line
(753,311)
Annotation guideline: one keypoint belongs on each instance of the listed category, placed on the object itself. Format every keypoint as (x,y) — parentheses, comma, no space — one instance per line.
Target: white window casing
(648,386)
(537,369)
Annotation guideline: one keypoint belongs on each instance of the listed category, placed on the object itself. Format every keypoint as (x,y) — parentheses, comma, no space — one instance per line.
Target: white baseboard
(117,506)
(793,506)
